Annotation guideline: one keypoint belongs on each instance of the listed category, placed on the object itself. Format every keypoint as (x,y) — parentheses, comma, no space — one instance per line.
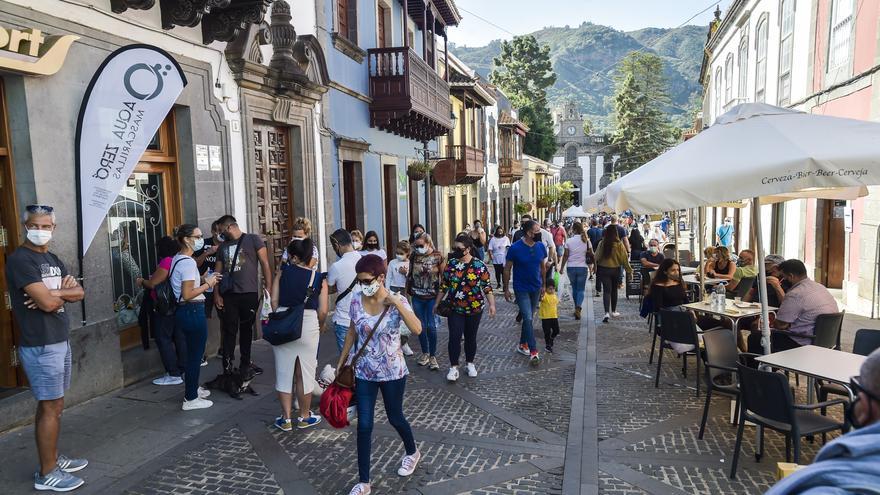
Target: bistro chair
(766,400)
(722,357)
(866,342)
(743,287)
(677,327)
(826,333)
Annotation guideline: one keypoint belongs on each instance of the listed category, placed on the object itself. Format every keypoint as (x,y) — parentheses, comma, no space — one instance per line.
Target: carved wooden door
(272,164)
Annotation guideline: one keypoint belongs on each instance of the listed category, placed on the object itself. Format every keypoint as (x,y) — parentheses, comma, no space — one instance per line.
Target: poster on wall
(124,105)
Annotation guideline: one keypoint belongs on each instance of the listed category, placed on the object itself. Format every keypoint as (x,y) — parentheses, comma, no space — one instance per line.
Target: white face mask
(422,250)
(401,257)
(198,244)
(371,289)
(356,245)
(39,237)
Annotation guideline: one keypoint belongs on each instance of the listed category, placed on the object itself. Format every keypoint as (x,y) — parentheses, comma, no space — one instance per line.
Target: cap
(773,259)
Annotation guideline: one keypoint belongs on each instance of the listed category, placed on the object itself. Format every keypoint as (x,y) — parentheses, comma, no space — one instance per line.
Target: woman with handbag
(296,283)
(467,288)
(378,363)
(578,256)
(422,283)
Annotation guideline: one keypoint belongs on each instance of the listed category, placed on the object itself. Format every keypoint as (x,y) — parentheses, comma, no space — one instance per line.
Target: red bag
(334,405)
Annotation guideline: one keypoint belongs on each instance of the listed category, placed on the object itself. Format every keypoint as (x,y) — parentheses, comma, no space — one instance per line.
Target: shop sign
(126,101)
(27,51)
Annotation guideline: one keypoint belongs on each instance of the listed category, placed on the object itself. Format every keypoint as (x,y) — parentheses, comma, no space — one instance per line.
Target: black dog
(233,383)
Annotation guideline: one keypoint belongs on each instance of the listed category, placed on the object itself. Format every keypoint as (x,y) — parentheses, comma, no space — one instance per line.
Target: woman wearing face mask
(371,246)
(467,284)
(395,281)
(636,243)
(301,229)
(357,241)
(417,230)
(189,316)
(296,361)
(723,266)
(422,284)
(668,291)
(610,256)
(578,255)
(498,246)
(478,236)
(376,315)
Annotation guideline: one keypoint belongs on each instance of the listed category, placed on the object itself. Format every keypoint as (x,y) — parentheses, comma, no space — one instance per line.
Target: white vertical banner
(125,103)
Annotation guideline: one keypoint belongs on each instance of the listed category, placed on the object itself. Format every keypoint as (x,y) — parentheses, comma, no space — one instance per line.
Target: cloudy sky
(525,16)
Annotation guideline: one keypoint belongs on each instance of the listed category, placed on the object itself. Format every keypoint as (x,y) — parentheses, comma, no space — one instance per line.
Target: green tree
(642,130)
(524,72)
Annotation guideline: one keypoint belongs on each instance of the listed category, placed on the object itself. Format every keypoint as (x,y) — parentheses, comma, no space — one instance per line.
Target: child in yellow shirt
(549,313)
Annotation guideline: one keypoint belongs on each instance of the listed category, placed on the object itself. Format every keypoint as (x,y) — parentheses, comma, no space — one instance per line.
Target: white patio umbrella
(762,152)
(597,202)
(574,211)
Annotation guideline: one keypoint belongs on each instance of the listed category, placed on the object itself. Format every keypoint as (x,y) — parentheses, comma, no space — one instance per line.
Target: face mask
(298,238)
(422,250)
(457,254)
(221,237)
(198,244)
(356,245)
(652,249)
(741,262)
(371,289)
(499,234)
(39,237)
(401,257)
(372,246)
(537,237)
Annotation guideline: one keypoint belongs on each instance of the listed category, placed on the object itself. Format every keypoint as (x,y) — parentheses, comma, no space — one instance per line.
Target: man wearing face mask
(849,464)
(526,258)
(39,287)
(341,279)
(745,269)
(724,234)
(652,258)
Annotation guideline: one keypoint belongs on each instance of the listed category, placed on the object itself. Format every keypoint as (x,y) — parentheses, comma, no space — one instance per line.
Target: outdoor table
(692,279)
(733,313)
(817,363)
(687,270)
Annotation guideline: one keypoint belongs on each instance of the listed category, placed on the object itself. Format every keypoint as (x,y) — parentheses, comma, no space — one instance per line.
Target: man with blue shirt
(724,234)
(526,258)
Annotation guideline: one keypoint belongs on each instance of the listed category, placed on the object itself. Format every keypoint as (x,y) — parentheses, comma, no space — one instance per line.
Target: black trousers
(238,317)
(551,330)
(466,325)
(778,342)
(609,278)
(499,274)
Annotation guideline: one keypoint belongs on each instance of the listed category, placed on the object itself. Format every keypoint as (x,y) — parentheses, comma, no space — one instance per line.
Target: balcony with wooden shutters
(511,133)
(409,98)
(510,170)
(462,165)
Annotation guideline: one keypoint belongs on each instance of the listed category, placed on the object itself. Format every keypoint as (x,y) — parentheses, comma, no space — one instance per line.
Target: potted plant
(543,201)
(418,170)
(522,208)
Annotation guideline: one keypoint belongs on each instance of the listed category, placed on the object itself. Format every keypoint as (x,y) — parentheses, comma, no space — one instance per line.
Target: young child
(548,311)
(395,281)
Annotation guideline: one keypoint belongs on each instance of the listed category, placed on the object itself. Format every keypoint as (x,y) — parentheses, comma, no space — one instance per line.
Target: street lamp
(453,118)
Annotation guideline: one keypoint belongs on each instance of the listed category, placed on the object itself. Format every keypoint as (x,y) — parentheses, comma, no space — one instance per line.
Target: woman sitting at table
(668,292)
(723,268)
(709,257)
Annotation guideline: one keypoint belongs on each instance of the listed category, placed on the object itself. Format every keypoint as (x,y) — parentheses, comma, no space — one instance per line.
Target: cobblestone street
(587,420)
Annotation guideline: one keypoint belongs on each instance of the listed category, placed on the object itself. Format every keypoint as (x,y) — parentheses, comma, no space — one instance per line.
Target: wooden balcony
(463,165)
(409,98)
(509,170)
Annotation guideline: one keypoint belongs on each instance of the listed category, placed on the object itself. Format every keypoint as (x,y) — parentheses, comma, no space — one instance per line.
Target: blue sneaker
(69,465)
(57,481)
(312,420)
(283,424)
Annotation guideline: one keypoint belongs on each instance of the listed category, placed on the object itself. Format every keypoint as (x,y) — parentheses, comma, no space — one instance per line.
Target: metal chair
(677,327)
(722,357)
(766,400)
(743,287)
(826,333)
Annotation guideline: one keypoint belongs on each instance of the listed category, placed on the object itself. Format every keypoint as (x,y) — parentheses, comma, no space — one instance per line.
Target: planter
(542,204)
(415,174)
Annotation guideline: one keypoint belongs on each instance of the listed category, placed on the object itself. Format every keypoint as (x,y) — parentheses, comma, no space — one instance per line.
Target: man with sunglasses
(851,463)
(39,288)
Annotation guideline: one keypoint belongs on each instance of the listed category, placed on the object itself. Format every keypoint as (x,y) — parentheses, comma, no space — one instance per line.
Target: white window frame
(718,109)
(786,45)
(389,23)
(761,40)
(743,68)
(841,41)
(728,79)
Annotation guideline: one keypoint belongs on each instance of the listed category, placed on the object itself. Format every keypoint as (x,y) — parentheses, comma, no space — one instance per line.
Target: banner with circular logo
(129,96)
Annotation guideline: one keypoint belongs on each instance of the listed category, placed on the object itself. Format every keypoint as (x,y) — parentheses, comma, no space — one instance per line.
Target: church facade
(587,159)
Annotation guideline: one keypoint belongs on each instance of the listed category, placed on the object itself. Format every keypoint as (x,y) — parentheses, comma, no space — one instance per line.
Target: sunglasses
(366,282)
(857,387)
(36,208)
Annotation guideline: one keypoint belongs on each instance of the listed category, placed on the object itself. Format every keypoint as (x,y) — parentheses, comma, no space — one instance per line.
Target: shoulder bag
(286,326)
(226,281)
(445,307)
(345,374)
(347,291)
(166,301)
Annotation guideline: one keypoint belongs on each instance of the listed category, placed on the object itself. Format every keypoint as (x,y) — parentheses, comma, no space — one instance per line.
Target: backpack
(166,301)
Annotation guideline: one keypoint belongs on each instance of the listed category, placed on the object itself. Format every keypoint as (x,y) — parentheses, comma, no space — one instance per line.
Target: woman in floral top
(467,284)
(381,366)
(422,281)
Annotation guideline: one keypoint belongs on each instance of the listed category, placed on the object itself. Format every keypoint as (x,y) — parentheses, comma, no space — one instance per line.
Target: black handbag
(286,326)
(166,301)
(226,281)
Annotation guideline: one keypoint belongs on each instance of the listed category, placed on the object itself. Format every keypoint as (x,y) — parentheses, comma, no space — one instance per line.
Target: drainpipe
(319,178)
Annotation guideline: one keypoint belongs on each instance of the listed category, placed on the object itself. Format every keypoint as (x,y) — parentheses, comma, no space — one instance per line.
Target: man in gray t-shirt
(238,297)
(39,287)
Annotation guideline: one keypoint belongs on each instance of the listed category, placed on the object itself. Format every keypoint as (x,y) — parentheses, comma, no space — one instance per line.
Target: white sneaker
(406,350)
(409,463)
(204,393)
(607,317)
(360,489)
(168,380)
(452,376)
(615,314)
(197,403)
(471,370)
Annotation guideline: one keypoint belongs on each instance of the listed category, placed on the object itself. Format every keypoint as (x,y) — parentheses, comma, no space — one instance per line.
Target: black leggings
(551,330)
(499,273)
(466,325)
(609,278)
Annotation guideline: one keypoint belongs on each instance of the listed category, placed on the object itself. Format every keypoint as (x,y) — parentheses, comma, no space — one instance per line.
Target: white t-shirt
(577,252)
(341,274)
(498,247)
(547,239)
(393,277)
(379,252)
(185,268)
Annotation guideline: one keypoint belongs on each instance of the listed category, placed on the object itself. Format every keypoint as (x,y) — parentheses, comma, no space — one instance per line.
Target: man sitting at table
(796,318)
(776,286)
(652,258)
(851,463)
(745,268)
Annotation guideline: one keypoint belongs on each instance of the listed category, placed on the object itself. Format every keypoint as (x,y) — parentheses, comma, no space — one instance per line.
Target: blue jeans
(171,344)
(577,276)
(528,306)
(424,309)
(191,320)
(392,395)
(341,331)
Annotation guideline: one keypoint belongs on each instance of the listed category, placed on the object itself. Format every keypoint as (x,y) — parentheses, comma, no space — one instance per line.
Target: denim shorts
(47,368)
